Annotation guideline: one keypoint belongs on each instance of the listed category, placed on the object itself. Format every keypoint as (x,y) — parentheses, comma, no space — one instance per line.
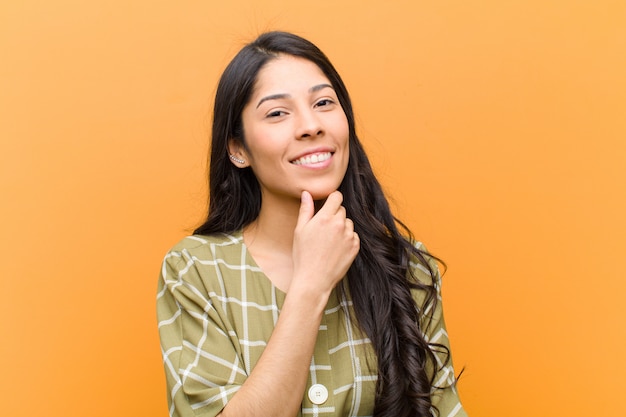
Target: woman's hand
(325,244)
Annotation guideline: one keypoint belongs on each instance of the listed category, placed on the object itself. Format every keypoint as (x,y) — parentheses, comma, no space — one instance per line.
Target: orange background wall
(498,128)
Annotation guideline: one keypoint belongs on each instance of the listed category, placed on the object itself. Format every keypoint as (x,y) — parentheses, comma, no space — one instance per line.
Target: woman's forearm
(276,385)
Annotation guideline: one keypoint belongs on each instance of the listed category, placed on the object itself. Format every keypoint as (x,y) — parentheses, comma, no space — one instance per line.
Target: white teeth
(312,159)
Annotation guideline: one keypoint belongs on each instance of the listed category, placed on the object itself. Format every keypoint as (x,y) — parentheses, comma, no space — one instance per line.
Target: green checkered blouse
(216,311)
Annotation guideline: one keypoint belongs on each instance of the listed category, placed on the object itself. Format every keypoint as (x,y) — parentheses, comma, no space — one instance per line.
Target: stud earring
(234,158)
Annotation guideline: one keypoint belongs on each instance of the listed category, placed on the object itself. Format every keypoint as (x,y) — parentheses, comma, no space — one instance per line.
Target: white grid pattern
(216,311)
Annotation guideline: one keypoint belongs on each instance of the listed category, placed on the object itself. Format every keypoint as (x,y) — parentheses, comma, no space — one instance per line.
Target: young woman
(299,295)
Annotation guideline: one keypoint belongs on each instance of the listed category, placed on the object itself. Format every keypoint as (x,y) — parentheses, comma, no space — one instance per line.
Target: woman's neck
(269,240)
(274,227)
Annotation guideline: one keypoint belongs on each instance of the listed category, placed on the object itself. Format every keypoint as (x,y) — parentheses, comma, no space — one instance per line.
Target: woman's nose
(308,125)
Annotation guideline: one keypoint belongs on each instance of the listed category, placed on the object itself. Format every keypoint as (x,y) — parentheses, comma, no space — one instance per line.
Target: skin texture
(294,112)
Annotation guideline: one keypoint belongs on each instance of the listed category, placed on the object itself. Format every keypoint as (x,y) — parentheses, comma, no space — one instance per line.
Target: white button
(318,394)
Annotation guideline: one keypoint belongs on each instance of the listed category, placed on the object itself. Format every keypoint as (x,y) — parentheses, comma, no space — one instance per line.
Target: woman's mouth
(311,159)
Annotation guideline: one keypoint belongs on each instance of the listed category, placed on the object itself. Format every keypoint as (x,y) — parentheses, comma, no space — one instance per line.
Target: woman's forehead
(287,73)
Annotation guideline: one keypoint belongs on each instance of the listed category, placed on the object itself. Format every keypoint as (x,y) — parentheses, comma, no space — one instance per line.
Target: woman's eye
(275,113)
(324,102)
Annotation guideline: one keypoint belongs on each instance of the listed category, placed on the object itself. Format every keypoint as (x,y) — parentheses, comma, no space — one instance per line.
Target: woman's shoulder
(196,258)
(198,243)
(208,247)
(424,265)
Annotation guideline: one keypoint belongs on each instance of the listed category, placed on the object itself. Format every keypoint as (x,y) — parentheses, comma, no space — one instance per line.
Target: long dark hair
(380,279)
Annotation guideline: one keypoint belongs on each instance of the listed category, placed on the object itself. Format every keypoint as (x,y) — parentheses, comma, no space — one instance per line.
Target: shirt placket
(318,397)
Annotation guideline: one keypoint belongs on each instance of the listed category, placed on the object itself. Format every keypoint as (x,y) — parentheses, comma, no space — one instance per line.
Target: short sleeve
(202,360)
(444,395)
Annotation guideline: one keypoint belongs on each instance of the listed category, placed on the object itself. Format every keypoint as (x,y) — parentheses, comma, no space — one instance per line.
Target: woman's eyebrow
(272,97)
(313,89)
(319,87)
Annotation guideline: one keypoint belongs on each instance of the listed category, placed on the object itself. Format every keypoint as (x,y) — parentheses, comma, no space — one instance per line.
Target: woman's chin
(320,191)
(320,195)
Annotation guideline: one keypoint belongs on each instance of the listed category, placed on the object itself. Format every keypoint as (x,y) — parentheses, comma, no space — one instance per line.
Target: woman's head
(295,133)
(233,189)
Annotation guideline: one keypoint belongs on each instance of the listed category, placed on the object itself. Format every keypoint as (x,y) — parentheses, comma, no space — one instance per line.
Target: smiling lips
(315,158)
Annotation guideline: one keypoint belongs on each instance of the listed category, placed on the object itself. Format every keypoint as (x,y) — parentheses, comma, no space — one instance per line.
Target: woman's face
(295,130)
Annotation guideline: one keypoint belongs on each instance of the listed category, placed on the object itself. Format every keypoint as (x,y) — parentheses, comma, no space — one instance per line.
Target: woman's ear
(237,153)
